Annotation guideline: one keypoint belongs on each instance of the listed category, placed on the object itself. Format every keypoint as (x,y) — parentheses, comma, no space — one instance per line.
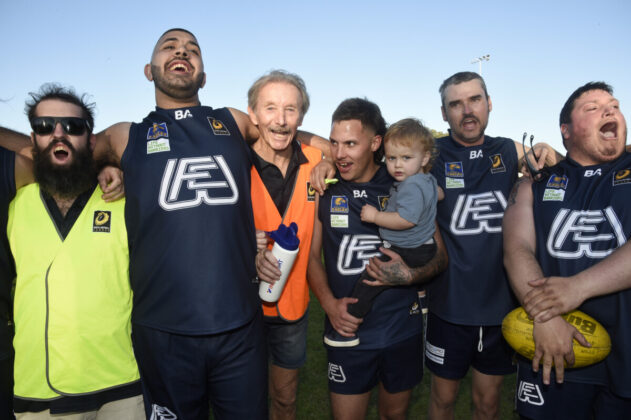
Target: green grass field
(313,396)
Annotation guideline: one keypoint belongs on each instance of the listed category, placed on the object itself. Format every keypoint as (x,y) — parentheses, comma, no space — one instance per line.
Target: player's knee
(486,405)
(443,400)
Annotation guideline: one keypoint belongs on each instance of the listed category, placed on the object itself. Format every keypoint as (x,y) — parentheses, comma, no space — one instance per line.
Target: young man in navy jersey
(391,334)
(558,233)
(468,301)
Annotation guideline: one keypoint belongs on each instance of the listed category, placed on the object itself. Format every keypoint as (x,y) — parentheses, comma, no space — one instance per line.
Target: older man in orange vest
(277,102)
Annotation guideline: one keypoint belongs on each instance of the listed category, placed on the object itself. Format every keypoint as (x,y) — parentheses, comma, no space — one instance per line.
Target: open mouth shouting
(179,66)
(60,151)
(609,131)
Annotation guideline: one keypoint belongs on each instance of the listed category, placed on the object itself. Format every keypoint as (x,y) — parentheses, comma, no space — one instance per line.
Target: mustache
(55,142)
(469,116)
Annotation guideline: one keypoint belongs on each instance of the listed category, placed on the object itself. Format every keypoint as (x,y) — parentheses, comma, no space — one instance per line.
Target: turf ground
(313,400)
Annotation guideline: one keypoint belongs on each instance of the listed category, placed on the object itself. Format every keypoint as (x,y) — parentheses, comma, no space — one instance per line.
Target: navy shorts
(566,401)
(450,349)
(398,367)
(287,341)
(185,375)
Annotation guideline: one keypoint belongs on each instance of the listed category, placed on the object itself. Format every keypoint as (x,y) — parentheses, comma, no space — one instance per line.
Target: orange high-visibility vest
(293,302)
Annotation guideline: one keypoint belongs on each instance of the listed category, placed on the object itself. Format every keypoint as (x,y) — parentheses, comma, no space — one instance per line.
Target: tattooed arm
(396,272)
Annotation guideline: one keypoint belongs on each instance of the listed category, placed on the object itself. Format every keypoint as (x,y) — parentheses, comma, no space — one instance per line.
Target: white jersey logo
(581,228)
(480,212)
(196,174)
(353,248)
(336,373)
(529,393)
(161,413)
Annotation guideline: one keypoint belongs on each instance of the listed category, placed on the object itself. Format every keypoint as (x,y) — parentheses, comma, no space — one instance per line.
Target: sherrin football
(517,330)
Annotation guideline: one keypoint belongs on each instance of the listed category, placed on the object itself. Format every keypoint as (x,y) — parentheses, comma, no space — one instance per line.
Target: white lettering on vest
(181,114)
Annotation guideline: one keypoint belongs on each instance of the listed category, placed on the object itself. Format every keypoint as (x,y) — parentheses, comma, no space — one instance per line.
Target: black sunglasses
(536,174)
(73,126)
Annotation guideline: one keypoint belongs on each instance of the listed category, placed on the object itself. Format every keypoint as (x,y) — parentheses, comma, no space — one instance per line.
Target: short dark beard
(67,181)
(180,91)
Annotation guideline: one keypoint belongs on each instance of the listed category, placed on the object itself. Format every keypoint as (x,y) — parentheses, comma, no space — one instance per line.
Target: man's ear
(32,138)
(490,103)
(203,81)
(565,131)
(148,73)
(375,143)
(442,109)
(252,116)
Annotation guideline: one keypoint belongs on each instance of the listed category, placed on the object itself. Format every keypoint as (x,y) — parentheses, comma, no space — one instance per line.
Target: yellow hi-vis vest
(73,300)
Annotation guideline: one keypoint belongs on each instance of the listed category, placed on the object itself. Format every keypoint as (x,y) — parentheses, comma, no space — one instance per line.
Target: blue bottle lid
(285,236)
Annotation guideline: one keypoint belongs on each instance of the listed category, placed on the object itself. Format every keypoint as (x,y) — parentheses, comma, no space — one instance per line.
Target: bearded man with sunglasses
(72,308)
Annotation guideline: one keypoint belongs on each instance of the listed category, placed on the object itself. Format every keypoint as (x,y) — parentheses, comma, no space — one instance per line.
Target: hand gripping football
(517,330)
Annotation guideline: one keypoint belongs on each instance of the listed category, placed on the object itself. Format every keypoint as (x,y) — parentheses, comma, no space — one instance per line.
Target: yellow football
(517,330)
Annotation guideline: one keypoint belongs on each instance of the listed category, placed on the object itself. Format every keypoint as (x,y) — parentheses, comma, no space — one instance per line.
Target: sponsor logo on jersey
(158,138)
(354,253)
(180,114)
(311,192)
(383,201)
(592,172)
(454,175)
(497,164)
(158,130)
(435,354)
(590,233)
(454,170)
(219,129)
(556,181)
(161,413)
(529,393)
(339,204)
(415,308)
(360,194)
(336,373)
(190,182)
(101,221)
(622,177)
(555,188)
(477,213)
(475,154)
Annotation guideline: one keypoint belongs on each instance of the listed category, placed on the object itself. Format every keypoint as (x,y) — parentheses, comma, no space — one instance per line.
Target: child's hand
(368,213)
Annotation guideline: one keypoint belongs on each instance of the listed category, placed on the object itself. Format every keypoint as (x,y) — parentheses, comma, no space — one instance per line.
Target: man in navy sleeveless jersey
(197,325)
(468,301)
(559,233)
(391,334)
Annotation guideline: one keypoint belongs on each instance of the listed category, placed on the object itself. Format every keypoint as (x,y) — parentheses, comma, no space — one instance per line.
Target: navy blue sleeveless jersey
(189,222)
(7,268)
(477,181)
(582,214)
(348,244)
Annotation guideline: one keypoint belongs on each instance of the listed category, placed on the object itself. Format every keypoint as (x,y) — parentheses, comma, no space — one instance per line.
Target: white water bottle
(284,250)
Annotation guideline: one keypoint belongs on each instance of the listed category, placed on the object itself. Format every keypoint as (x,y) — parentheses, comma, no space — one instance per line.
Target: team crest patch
(415,308)
(622,177)
(219,129)
(158,130)
(101,221)
(311,192)
(383,201)
(339,204)
(158,138)
(454,175)
(555,188)
(497,164)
